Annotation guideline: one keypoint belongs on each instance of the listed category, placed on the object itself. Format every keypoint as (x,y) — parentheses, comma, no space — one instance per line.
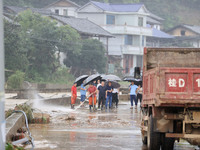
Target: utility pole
(2,98)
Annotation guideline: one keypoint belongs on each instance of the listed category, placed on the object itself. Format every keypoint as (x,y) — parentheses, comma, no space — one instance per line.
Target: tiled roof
(150,20)
(194,28)
(64,0)
(118,7)
(83,26)
(17,10)
(160,34)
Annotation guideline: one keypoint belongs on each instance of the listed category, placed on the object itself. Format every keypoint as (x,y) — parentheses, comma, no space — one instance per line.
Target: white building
(127,22)
(63,8)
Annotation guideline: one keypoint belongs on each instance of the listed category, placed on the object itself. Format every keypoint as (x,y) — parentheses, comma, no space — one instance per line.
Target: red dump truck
(171,97)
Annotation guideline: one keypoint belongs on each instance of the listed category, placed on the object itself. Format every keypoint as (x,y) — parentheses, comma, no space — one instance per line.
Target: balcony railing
(128,49)
(126,29)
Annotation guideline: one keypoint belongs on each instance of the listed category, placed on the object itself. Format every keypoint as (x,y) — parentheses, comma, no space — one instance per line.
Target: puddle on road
(115,129)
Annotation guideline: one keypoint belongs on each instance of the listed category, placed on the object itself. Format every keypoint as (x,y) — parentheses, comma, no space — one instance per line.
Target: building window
(65,12)
(110,19)
(57,11)
(182,32)
(128,40)
(136,40)
(140,21)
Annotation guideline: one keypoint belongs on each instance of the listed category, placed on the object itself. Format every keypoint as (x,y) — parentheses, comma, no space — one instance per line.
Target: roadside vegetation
(9,146)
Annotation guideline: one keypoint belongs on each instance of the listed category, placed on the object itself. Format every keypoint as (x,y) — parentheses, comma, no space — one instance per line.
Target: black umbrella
(102,77)
(92,78)
(115,84)
(111,77)
(136,81)
(80,79)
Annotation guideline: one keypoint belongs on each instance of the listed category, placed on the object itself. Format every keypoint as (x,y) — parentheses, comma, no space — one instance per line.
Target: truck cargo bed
(172,87)
(171,77)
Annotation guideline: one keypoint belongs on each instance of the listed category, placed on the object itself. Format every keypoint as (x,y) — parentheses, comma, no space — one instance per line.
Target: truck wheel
(153,138)
(167,143)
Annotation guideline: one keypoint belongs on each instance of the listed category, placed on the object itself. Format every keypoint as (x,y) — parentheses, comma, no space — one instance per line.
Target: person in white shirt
(115,98)
(98,84)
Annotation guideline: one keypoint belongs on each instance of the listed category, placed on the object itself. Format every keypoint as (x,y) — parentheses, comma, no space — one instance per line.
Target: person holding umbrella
(102,95)
(109,90)
(133,92)
(83,93)
(115,96)
(92,90)
(79,82)
(73,95)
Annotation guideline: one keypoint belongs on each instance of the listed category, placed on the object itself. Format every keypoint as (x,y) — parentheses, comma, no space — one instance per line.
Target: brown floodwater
(116,129)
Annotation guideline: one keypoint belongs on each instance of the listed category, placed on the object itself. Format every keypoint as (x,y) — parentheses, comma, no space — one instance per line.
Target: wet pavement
(83,130)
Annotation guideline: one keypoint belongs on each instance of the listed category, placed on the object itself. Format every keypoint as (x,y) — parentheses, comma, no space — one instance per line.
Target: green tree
(92,57)
(41,38)
(37,37)
(15,56)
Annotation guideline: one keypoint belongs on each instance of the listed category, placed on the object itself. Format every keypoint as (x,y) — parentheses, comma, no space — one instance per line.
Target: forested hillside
(173,11)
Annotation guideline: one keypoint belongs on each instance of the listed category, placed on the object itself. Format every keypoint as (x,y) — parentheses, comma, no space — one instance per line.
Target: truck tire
(153,138)
(167,143)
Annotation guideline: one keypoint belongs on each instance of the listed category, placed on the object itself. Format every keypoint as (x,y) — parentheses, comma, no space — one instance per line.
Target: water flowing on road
(117,129)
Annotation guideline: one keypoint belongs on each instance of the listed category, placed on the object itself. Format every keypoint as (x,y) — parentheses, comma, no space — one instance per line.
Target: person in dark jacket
(109,90)
(102,95)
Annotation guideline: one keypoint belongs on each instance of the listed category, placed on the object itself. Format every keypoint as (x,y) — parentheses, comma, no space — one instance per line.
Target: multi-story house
(127,22)
(64,8)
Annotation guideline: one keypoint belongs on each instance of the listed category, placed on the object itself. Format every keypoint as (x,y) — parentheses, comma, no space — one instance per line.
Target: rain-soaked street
(78,130)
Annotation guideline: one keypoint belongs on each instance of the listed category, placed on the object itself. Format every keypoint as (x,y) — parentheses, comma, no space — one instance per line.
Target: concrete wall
(131,20)
(97,18)
(13,123)
(64,101)
(71,11)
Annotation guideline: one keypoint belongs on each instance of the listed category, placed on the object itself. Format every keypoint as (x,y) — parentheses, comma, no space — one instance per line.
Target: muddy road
(83,130)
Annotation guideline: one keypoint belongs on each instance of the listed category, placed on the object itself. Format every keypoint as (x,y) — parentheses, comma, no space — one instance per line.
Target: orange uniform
(74,93)
(92,90)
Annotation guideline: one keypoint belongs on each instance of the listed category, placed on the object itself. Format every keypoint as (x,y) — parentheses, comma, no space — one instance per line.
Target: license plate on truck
(182,82)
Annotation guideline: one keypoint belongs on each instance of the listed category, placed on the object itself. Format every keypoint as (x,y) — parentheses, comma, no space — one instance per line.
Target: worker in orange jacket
(73,95)
(92,91)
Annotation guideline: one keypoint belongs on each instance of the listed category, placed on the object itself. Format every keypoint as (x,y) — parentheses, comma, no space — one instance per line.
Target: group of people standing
(105,94)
